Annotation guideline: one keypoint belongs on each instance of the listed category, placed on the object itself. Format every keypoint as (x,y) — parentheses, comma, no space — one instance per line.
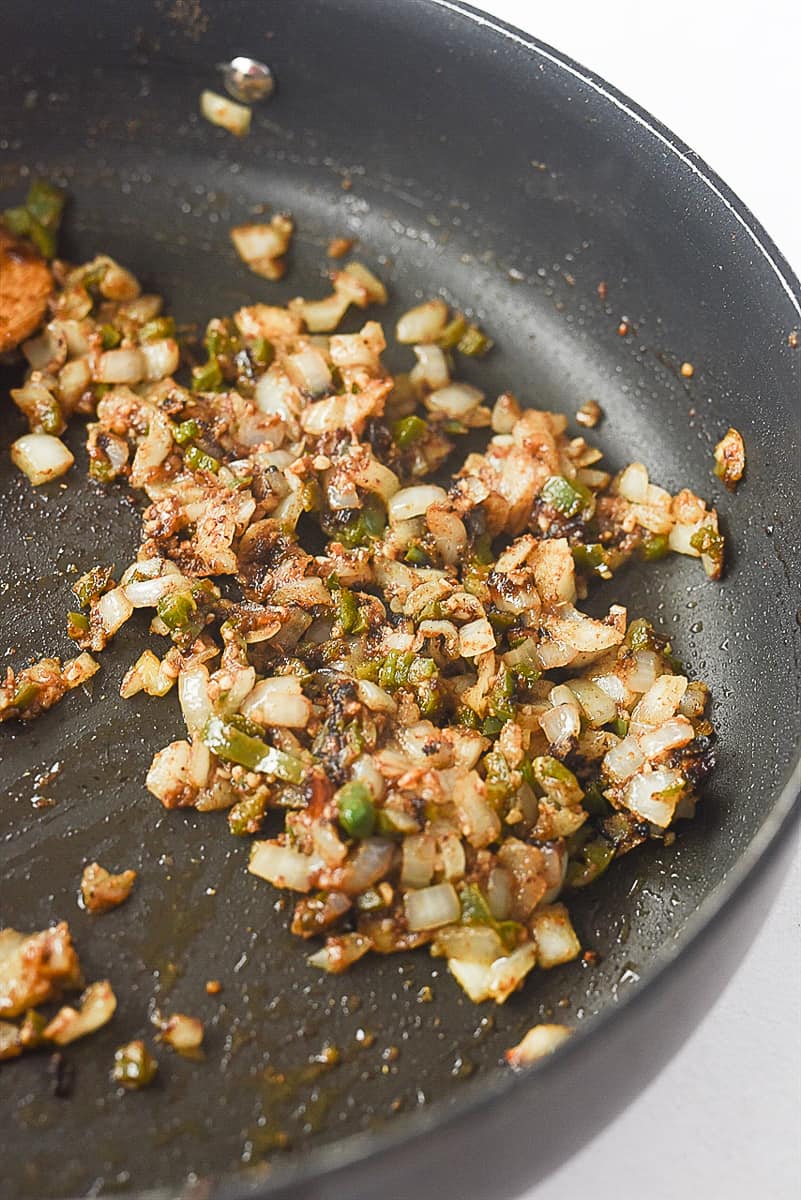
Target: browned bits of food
(263,247)
(540,1041)
(624,327)
(101,891)
(589,414)
(338,247)
(793,340)
(134,1066)
(730,458)
(213,987)
(219,110)
(687,370)
(36,967)
(451,743)
(25,285)
(183,1033)
(98,1005)
(29,692)
(602,290)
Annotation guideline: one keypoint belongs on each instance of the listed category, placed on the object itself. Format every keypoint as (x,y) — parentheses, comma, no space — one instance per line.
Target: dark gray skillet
(488,167)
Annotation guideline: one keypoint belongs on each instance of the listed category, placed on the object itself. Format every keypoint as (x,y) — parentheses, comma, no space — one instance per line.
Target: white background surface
(723,1120)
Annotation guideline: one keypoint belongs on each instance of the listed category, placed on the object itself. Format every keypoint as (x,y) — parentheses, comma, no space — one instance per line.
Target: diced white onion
(430,907)
(193,696)
(41,456)
(161,358)
(624,759)
(419,854)
(560,724)
(633,484)
(423,323)
(413,501)
(555,936)
(121,366)
(374,697)
(674,733)
(653,796)
(537,1043)
(225,113)
(278,701)
(114,608)
(660,701)
(476,637)
(456,400)
(598,707)
(146,593)
(282,866)
(309,371)
(431,369)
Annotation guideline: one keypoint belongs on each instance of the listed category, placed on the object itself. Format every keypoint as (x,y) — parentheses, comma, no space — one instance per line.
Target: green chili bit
(134,1066)
(350,617)
(356,809)
(474,342)
(417,556)
(176,609)
(246,815)
(262,352)
(39,218)
(26,693)
(568,497)
(186,431)
(453,333)
(197,460)
(654,547)
(476,911)
(111,336)
(77,625)
(591,861)
(232,745)
(408,430)
(208,378)
(92,585)
(591,559)
(157,329)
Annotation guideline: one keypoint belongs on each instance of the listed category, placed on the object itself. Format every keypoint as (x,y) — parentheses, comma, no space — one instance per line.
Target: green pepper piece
(655,547)
(408,430)
(26,693)
(157,329)
(416,556)
(350,618)
(246,815)
(92,585)
(591,559)
(453,333)
(45,203)
(474,342)
(111,336)
(197,460)
(620,726)
(176,609)
(232,745)
(208,378)
(262,352)
(475,909)
(594,857)
(77,625)
(134,1066)
(186,431)
(356,809)
(492,726)
(568,498)
(18,221)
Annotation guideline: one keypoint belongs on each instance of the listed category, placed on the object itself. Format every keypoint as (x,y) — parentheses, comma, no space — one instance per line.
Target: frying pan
(468,160)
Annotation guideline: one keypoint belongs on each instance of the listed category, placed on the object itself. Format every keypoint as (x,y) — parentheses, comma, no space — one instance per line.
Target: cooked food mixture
(371,632)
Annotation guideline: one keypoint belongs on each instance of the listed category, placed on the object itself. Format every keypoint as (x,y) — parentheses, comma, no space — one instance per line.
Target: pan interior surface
(515,205)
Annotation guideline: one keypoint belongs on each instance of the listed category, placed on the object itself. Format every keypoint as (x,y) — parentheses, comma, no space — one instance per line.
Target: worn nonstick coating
(471,161)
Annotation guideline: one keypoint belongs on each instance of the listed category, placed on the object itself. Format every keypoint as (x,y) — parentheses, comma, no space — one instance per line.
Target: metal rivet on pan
(247,80)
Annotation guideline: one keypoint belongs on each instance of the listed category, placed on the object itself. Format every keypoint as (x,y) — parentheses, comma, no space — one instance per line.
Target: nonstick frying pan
(472,161)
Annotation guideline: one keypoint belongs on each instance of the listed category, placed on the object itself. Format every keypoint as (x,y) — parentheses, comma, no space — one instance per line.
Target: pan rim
(362,1148)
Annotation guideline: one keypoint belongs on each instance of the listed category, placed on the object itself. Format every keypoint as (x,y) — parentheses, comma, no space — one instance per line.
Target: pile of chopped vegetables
(397,663)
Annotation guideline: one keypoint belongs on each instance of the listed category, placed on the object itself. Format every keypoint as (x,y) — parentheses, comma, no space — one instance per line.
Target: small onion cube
(430,907)
(537,1043)
(41,457)
(555,936)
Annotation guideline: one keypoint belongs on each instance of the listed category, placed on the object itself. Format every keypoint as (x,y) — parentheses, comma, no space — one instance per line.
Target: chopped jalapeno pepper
(408,430)
(232,745)
(197,460)
(356,809)
(566,496)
